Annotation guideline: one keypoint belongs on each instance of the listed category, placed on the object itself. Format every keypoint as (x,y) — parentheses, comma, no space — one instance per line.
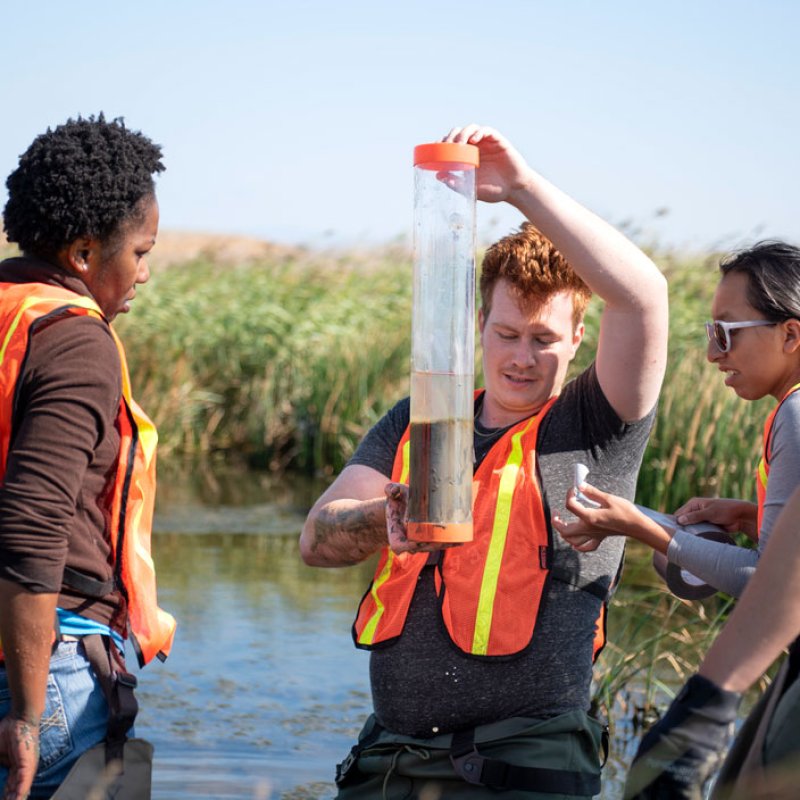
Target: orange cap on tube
(446,155)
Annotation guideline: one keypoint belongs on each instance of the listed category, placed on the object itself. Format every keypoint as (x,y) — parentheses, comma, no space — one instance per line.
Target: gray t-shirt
(423,684)
(730,568)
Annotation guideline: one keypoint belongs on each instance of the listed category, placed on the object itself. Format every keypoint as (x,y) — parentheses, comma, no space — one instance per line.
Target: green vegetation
(286,365)
(655,642)
(6,250)
(706,440)
(283,365)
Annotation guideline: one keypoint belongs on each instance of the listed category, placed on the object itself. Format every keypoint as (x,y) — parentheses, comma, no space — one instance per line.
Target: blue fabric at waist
(72,624)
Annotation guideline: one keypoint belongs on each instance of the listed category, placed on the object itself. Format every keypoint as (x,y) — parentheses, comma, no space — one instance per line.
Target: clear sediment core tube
(442,349)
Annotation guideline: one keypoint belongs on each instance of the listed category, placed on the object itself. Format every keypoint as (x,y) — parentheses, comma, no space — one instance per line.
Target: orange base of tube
(435,532)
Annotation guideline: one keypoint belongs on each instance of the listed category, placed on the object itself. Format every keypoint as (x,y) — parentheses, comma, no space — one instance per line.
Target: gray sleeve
(784,467)
(377,449)
(723,566)
(730,568)
(583,427)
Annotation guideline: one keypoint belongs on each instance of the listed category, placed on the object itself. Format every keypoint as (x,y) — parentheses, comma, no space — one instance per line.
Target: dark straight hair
(773,277)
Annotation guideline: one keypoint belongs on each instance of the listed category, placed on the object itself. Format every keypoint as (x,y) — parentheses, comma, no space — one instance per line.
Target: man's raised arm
(632,349)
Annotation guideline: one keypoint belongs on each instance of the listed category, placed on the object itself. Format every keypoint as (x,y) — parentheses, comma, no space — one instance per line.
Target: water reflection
(264,691)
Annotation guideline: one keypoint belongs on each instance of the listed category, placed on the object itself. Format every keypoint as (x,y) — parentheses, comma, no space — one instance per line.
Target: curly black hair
(85,178)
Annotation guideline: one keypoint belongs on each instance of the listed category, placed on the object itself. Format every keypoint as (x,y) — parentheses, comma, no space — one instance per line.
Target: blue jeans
(75,717)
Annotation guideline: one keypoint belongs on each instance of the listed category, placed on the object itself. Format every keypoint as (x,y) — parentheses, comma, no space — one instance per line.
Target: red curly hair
(535,271)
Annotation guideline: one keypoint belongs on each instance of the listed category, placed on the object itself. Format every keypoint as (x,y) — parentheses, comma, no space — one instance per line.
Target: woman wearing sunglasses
(754,340)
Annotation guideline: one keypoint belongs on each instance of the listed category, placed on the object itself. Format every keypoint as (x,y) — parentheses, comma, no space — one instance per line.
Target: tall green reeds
(655,642)
(287,365)
(282,365)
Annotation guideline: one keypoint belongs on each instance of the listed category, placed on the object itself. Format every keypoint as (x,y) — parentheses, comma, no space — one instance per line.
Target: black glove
(685,747)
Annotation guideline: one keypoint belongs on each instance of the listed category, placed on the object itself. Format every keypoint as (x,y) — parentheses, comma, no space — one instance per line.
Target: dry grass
(183,247)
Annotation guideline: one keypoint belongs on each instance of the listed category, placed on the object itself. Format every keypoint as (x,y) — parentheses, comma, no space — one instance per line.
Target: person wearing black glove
(686,746)
(679,753)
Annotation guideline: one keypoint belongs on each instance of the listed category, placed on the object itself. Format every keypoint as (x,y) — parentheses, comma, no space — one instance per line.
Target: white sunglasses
(720,332)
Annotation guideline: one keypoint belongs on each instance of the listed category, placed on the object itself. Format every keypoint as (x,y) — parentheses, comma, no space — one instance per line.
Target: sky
(296,121)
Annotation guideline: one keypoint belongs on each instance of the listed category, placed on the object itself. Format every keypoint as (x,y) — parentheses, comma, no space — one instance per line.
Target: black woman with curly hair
(77,457)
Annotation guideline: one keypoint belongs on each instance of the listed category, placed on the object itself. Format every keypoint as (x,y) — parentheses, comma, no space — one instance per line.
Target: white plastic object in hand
(581,471)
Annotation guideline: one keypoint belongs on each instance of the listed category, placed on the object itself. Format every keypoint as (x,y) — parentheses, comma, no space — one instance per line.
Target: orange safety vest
(762,473)
(490,589)
(23,308)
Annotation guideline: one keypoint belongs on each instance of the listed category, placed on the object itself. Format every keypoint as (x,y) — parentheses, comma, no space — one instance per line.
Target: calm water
(264,691)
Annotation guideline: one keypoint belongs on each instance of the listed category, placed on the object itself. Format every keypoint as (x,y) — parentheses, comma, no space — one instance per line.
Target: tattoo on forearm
(354,533)
(29,735)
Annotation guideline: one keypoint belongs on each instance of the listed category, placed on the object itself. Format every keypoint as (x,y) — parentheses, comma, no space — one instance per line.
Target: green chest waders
(495,773)
(562,755)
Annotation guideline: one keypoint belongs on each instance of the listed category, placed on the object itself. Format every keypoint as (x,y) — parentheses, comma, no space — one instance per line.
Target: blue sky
(296,121)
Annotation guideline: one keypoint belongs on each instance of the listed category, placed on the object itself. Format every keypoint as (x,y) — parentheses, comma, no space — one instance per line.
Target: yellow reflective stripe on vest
(368,634)
(763,465)
(763,472)
(148,436)
(406,461)
(82,302)
(494,556)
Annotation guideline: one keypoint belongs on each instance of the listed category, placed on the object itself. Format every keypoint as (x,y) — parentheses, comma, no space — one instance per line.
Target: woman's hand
(615,517)
(19,752)
(730,514)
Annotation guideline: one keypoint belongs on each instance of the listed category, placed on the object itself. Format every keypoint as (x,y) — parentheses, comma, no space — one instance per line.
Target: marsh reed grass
(655,642)
(285,365)
(282,366)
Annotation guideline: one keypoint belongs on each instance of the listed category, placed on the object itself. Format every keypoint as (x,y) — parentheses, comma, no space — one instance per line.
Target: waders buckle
(466,760)
(345,767)
(126,679)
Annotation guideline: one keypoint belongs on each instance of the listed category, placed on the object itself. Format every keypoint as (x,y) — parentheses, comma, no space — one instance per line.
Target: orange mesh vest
(489,589)
(24,307)
(762,473)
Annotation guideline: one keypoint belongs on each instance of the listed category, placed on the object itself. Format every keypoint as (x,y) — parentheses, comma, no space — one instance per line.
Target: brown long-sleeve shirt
(62,457)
